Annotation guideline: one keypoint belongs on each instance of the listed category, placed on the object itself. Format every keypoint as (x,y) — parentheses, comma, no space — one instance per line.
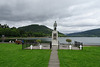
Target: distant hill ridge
(35,28)
(88,33)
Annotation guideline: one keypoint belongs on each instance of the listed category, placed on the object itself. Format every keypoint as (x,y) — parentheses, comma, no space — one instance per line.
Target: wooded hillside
(26,31)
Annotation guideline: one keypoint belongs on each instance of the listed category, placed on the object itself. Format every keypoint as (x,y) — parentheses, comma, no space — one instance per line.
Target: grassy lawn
(89,57)
(12,55)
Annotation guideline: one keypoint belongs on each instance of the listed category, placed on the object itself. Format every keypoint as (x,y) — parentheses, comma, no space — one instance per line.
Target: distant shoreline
(25,37)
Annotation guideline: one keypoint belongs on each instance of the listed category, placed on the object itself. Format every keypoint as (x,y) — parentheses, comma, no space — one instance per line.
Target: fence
(32,44)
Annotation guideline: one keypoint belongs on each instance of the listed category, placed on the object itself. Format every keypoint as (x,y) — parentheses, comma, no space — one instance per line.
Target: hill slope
(38,29)
(89,33)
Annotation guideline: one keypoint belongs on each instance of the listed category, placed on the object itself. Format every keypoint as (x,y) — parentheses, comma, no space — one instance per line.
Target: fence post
(50,45)
(82,45)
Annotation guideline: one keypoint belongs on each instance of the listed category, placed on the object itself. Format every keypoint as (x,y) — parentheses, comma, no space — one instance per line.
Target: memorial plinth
(54,37)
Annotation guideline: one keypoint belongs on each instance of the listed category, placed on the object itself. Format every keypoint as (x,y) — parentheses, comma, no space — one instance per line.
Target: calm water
(85,40)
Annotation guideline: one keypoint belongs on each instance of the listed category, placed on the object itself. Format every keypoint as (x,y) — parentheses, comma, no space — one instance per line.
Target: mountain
(88,33)
(38,29)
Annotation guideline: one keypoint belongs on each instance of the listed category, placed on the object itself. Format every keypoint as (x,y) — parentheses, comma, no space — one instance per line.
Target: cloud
(71,15)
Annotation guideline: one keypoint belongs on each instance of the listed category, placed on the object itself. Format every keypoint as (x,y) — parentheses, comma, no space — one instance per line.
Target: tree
(38,41)
(5,26)
(69,41)
(0,25)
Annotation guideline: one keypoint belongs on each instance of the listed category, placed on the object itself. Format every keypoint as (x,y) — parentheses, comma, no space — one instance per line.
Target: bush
(69,41)
(38,40)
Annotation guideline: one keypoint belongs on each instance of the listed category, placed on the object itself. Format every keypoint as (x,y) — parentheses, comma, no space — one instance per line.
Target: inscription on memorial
(54,36)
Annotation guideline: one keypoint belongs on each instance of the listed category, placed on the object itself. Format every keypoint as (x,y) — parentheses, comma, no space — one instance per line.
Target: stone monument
(55,35)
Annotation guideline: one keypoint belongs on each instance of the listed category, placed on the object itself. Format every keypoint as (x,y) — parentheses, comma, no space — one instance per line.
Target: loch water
(84,40)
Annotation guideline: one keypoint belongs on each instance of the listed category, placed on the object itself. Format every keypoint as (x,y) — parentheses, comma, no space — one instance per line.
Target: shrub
(38,41)
(69,41)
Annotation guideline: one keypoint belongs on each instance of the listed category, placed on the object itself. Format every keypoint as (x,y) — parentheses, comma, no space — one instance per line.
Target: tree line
(15,32)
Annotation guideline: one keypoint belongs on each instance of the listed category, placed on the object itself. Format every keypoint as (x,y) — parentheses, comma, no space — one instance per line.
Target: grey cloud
(34,10)
(77,14)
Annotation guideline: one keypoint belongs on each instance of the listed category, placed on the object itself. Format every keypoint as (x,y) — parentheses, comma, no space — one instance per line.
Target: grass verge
(12,55)
(89,57)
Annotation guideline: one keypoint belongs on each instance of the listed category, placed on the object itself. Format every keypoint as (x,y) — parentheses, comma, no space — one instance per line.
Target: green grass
(89,57)
(12,55)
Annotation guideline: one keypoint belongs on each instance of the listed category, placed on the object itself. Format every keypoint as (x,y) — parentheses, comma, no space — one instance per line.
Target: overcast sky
(71,15)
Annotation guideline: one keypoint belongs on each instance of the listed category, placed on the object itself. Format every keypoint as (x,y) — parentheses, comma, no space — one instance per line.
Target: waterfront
(84,40)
